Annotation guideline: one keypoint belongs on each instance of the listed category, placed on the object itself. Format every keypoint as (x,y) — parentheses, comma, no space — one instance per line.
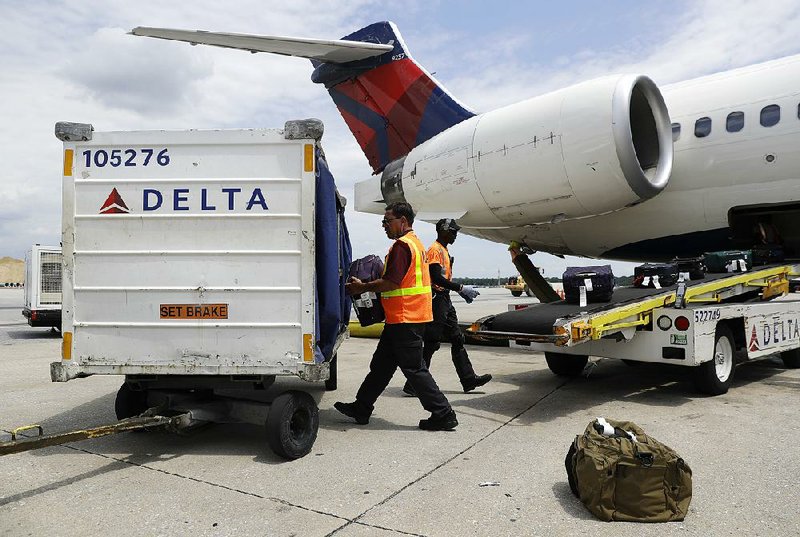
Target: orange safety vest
(412,301)
(438,254)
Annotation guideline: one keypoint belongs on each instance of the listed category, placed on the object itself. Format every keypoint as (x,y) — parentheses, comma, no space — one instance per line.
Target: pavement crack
(212,484)
(357,520)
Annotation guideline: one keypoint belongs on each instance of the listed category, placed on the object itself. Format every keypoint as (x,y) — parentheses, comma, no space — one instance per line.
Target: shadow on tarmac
(34,333)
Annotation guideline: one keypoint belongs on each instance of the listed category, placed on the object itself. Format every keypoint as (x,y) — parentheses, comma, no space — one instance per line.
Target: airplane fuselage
(747,166)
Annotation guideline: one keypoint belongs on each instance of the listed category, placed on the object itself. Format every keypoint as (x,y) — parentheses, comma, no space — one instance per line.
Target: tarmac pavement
(389,477)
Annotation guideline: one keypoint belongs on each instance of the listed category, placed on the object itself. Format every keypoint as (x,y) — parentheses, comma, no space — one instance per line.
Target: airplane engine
(589,149)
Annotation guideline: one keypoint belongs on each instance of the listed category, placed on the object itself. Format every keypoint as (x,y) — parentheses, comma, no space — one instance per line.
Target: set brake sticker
(193,311)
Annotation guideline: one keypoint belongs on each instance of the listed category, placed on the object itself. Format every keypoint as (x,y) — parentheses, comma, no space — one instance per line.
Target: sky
(70,60)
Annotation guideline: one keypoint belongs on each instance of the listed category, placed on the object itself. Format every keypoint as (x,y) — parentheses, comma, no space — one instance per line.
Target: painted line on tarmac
(448,461)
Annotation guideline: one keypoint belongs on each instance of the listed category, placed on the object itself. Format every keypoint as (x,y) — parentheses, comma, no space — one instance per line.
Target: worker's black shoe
(352,410)
(475,382)
(409,390)
(447,422)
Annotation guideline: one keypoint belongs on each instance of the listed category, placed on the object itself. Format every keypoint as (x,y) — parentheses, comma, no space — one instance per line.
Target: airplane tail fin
(390,102)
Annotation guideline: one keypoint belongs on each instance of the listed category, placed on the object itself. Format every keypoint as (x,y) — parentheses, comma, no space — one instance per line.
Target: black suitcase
(656,275)
(768,254)
(692,267)
(367,305)
(598,281)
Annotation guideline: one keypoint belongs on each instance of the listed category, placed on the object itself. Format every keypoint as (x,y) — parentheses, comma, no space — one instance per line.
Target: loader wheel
(332,383)
(516,293)
(129,402)
(292,424)
(566,365)
(791,359)
(715,376)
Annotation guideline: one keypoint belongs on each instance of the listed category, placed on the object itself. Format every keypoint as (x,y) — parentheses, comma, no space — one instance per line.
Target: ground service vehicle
(709,325)
(517,286)
(43,286)
(200,261)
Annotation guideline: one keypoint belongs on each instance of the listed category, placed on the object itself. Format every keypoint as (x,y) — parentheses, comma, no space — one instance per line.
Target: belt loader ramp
(709,325)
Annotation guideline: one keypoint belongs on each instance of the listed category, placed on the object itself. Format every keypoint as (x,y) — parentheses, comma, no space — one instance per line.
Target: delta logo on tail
(114,204)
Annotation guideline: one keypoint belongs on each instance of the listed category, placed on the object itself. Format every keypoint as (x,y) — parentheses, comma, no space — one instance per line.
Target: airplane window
(702,127)
(676,128)
(735,122)
(770,115)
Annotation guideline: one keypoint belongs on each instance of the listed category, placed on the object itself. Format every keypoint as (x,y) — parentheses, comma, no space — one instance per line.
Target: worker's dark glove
(468,293)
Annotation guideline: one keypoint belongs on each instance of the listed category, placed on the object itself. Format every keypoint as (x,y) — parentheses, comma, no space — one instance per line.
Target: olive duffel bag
(620,473)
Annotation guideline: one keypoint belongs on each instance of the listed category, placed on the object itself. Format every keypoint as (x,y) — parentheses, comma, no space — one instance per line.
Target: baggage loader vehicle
(709,325)
(198,262)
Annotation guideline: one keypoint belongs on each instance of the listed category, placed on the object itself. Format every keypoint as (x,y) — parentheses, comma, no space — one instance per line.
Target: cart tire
(292,424)
(332,383)
(566,365)
(528,291)
(516,293)
(129,402)
(632,363)
(715,376)
(791,359)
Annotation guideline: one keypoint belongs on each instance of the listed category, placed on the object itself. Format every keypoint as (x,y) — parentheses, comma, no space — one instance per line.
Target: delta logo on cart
(183,199)
(114,204)
(774,333)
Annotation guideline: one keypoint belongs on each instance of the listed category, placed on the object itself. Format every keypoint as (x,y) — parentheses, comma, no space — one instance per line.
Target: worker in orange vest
(445,319)
(405,289)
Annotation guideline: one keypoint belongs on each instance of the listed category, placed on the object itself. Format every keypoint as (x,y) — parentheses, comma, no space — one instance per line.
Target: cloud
(121,72)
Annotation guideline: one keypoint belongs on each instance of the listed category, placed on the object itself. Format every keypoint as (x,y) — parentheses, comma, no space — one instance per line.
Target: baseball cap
(447,224)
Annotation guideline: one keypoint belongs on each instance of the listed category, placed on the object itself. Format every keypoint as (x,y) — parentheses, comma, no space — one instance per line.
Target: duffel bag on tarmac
(656,275)
(367,305)
(620,473)
(768,254)
(597,280)
(728,261)
(692,268)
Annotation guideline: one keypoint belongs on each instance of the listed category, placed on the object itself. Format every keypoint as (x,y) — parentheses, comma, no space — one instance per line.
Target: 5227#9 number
(100,158)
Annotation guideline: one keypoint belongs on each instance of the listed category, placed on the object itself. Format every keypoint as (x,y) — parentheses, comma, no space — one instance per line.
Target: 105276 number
(100,158)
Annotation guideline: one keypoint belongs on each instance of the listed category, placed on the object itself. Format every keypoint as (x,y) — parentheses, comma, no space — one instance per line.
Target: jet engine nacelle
(585,150)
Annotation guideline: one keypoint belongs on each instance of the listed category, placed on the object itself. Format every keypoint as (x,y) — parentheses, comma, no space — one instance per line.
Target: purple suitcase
(367,305)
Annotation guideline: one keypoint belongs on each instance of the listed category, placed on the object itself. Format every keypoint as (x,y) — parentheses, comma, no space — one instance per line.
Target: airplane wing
(333,51)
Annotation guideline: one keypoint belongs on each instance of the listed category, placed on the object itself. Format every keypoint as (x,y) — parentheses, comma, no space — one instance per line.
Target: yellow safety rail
(773,281)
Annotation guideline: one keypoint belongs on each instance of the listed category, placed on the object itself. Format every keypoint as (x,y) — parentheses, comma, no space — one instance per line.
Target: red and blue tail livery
(390,103)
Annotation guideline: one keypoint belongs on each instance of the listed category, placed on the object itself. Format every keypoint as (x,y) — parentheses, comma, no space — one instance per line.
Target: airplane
(613,168)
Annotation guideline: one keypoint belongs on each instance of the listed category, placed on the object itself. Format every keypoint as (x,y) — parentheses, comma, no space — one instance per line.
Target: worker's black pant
(445,327)
(401,346)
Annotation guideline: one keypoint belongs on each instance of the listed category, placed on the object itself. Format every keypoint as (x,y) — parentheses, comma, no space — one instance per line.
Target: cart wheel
(632,363)
(528,291)
(566,365)
(516,293)
(129,402)
(791,359)
(715,376)
(292,424)
(331,383)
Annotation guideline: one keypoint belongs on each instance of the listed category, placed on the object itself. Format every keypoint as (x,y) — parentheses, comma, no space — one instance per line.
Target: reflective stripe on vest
(412,301)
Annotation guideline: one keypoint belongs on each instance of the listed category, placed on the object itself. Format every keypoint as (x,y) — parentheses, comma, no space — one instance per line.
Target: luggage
(620,473)
(768,254)
(367,305)
(656,275)
(598,281)
(728,261)
(692,268)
